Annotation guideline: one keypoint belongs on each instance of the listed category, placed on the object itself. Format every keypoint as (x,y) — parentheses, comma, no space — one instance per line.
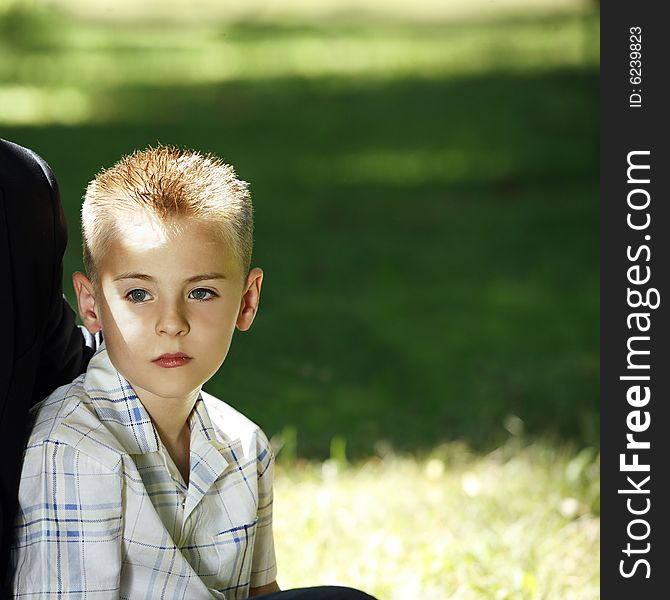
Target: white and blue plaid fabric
(104,512)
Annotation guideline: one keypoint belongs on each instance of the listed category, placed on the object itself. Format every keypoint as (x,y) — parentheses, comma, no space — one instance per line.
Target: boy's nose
(172,321)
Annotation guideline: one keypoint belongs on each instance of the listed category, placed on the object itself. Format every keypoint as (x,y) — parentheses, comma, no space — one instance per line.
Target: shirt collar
(122,412)
(208,455)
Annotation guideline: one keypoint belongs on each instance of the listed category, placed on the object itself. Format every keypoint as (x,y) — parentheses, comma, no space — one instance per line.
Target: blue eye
(202,294)
(137,296)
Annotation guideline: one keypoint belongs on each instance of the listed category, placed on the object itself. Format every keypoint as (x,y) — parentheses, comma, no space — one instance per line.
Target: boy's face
(168,304)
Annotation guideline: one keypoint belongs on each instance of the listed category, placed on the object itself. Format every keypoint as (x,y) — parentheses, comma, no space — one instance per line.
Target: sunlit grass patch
(32,105)
(305,11)
(517,523)
(43,53)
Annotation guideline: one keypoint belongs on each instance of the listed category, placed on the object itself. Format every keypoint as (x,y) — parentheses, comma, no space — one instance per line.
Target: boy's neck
(179,449)
(170,417)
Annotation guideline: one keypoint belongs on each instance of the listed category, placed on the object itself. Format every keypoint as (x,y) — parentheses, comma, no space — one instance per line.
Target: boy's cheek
(120,319)
(214,319)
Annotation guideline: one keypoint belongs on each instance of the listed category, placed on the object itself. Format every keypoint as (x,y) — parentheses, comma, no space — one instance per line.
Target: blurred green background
(425,177)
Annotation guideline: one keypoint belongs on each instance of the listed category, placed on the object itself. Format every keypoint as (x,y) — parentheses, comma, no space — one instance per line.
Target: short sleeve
(264,566)
(69,528)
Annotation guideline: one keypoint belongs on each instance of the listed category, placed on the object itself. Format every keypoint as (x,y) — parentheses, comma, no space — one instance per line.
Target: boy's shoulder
(67,416)
(231,425)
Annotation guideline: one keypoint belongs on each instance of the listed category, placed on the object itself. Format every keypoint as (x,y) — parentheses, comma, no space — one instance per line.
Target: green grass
(518,524)
(426,201)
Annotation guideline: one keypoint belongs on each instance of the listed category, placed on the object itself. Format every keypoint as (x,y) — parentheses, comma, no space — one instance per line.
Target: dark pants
(42,348)
(319,593)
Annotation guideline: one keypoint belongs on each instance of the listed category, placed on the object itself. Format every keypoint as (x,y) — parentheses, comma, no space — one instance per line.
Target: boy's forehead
(141,230)
(140,237)
(138,229)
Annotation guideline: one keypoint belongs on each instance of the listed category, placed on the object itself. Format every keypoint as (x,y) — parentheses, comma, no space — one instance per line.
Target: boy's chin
(167,389)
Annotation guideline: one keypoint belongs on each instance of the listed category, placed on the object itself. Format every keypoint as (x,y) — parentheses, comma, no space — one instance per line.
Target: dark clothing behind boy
(41,347)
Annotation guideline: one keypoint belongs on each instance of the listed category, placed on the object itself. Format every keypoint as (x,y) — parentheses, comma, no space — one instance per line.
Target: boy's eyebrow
(205,276)
(142,276)
(145,277)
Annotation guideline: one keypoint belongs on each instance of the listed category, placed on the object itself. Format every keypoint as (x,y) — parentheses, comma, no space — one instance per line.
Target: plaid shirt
(104,512)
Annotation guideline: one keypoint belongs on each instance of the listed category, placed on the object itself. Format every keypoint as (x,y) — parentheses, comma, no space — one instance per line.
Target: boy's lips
(169,361)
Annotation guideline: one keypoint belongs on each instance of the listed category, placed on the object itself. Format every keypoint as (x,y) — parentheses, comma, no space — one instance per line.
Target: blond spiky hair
(166,182)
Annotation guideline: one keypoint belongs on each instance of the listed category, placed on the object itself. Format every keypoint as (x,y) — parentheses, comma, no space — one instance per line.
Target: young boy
(135,482)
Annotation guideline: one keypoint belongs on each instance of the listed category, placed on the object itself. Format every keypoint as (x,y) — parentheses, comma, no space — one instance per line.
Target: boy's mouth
(169,361)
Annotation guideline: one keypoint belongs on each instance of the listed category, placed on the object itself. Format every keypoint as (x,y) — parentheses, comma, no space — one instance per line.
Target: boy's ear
(83,288)
(250,298)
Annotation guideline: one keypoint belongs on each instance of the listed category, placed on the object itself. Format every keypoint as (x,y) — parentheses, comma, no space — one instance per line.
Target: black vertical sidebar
(635,261)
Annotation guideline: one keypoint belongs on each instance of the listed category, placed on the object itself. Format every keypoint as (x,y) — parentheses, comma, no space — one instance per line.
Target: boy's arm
(263,565)
(69,528)
(264,589)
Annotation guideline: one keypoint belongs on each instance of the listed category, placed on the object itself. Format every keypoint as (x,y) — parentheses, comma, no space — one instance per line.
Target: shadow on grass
(430,248)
